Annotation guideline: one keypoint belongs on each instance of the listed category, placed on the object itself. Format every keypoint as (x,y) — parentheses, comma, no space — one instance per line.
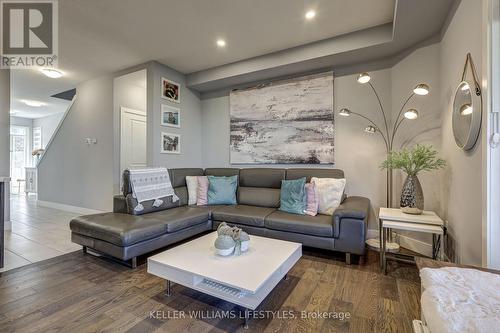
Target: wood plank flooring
(83,293)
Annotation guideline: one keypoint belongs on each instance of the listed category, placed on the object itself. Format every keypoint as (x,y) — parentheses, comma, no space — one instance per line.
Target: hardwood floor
(83,293)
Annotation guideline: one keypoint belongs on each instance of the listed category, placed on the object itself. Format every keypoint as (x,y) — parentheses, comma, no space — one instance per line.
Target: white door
(133,139)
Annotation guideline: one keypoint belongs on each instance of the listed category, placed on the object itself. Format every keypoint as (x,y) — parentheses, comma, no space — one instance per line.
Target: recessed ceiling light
(35,104)
(310,14)
(221,42)
(52,73)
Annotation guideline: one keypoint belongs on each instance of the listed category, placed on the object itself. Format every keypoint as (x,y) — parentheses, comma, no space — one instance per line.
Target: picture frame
(170,116)
(170,90)
(170,143)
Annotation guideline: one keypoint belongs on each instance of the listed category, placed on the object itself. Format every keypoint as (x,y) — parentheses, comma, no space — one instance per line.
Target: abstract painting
(287,122)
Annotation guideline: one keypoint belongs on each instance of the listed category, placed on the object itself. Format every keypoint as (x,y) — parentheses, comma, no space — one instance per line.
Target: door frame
(123,110)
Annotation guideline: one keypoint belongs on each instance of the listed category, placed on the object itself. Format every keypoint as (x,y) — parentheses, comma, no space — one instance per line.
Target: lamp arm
(398,122)
(376,127)
(402,108)
(396,126)
(381,108)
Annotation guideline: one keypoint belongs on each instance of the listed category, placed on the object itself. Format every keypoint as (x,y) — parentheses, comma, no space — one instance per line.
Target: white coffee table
(243,280)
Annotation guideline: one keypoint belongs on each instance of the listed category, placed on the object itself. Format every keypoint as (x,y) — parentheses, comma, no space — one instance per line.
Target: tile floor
(38,233)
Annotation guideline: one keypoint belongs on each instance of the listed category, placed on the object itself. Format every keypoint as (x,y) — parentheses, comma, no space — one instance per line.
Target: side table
(427,222)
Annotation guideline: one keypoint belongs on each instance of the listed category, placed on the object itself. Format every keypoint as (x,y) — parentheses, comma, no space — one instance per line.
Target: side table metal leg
(434,244)
(247,319)
(168,291)
(384,259)
(380,231)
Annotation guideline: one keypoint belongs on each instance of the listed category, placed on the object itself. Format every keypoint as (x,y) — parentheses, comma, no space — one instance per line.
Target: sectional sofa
(125,236)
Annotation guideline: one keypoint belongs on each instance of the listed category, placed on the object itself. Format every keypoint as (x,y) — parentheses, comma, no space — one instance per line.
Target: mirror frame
(477,114)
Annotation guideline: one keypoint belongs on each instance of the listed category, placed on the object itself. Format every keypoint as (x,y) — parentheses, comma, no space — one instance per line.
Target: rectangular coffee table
(244,280)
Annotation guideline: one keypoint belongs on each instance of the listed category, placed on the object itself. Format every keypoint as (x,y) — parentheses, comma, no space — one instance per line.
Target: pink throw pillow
(202,191)
(312,202)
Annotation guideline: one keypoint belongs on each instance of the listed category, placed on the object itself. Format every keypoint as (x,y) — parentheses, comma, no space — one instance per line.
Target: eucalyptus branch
(420,158)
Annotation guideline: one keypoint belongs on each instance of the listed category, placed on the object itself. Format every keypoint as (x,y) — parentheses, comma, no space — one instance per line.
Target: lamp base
(374,244)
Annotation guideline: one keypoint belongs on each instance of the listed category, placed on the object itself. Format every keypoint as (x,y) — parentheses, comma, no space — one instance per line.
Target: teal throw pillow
(293,196)
(222,190)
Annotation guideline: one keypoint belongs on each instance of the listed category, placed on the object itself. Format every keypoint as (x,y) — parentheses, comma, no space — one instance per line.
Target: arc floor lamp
(387,132)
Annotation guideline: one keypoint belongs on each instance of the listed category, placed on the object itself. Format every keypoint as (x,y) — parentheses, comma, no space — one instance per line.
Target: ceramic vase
(412,196)
(224,245)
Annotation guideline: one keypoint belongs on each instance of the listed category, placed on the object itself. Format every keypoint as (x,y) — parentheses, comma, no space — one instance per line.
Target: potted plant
(420,158)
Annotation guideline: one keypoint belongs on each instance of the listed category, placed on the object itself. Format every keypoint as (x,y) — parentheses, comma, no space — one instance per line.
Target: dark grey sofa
(125,236)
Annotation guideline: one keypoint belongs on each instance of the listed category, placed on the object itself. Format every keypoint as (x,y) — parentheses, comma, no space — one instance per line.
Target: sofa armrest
(119,204)
(352,208)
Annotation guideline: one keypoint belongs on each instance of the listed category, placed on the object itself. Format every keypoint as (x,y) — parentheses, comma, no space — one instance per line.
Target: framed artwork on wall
(170,143)
(284,122)
(170,90)
(170,116)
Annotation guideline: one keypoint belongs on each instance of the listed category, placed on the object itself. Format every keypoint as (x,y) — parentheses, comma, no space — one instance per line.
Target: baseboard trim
(412,244)
(68,208)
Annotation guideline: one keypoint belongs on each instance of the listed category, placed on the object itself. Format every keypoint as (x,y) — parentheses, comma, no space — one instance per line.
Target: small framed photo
(170,143)
(170,90)
(170,116)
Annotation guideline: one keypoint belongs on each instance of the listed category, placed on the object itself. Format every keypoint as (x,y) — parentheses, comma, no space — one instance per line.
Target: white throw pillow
(329,192)
(192,185)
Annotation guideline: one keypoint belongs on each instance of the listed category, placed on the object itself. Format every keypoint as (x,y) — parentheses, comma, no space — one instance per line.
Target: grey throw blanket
(151,184)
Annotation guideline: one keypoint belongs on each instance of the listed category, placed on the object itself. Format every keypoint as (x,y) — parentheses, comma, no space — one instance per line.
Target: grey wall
(462,194)
(422,65)
(5,131)
(191,121)
(126,93)
(72,172)
(358,153)
(49,125)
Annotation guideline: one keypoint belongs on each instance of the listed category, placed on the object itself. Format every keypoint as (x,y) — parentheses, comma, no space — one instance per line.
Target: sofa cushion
(262,177)
(293,196)
(118,229)
(222,172)
(242,214)
(319,225)
(179,218)
(311,172)
(259,196)
(222,190)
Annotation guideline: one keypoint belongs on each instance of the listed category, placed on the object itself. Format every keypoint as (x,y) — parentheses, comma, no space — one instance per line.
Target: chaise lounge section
(125,236)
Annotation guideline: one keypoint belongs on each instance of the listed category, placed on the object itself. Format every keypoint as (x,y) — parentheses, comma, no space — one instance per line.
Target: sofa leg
(134,262)
(348,258)
(84,250)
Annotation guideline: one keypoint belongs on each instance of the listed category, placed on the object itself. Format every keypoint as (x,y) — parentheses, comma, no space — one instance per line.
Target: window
(37,138)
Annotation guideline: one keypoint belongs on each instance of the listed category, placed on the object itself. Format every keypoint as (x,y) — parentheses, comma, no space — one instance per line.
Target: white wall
(129,91)
(72,172)
(49,125)
(191,117)
(462,195)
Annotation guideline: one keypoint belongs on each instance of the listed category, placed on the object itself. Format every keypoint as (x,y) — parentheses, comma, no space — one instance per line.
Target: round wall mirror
(467,113)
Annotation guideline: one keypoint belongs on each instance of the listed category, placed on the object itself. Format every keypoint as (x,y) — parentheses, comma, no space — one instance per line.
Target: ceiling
(98,37)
